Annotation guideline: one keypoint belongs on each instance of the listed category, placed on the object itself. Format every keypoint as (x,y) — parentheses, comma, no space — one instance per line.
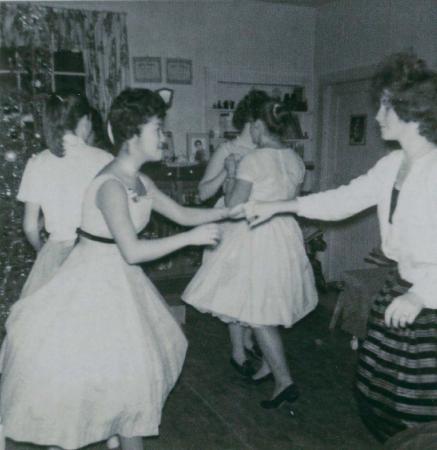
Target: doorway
(351,145)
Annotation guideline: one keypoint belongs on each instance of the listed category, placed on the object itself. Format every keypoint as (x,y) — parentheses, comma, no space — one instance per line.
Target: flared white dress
(259,276)
(95,351)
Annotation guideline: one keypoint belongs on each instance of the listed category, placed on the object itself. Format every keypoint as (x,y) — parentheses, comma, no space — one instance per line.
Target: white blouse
(411,238)
(58,184)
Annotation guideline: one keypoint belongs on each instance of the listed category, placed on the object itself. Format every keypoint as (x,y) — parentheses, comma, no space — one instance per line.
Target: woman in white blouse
(397,369)
(54,183)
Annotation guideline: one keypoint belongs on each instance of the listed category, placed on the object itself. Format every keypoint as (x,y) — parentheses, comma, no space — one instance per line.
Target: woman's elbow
(130,253)
(30,230)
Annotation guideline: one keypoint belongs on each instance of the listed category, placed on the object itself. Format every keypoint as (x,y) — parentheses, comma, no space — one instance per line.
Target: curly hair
(277,116)
(131,109)
(247,107)
(410,88)
(62,112)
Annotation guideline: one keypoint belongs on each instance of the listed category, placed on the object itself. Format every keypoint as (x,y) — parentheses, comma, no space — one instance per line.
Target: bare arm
(214,176)
(182,215)
(238,192)
(31,225)
(112,200)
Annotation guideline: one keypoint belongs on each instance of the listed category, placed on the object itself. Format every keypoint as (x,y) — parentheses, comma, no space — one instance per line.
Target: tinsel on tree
(20,138)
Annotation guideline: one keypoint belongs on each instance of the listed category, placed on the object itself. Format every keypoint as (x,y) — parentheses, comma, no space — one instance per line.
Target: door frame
(327,136)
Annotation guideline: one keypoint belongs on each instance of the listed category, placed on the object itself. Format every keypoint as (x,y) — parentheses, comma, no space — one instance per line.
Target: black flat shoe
(258,381)
(246,369)
(289,394)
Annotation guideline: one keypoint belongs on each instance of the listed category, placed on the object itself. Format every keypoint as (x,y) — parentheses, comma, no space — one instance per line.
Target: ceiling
(311,3)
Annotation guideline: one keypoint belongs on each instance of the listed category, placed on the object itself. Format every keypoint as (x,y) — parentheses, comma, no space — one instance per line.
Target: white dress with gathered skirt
(259,276)
(94,352)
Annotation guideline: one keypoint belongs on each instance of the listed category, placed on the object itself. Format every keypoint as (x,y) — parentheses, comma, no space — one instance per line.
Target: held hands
(204,235)
(255,212)
(403,310)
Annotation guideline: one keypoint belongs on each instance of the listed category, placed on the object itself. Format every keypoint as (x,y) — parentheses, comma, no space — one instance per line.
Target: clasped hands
(402,311)
(256,212)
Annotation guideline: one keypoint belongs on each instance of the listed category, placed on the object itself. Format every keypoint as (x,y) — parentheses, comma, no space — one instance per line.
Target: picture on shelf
(357,129)
(197,147)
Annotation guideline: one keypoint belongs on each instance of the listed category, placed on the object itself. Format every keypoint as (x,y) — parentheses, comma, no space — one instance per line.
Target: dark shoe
(289,394)
(246,369)
(258,381)
(254,352)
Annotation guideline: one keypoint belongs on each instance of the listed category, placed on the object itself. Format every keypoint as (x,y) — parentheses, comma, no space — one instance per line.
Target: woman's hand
(403,310)
(204,235)
(231,164)
(237,212)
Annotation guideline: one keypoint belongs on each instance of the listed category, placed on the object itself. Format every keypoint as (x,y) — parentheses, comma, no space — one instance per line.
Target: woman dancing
(397,368)
(221,170)
(94,352)
(54,183)
(262,278)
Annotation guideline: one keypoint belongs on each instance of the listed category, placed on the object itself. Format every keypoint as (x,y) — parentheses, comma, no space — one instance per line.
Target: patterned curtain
(100,36)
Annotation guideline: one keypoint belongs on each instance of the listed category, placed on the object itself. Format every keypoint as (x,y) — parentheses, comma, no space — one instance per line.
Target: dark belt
(101,239)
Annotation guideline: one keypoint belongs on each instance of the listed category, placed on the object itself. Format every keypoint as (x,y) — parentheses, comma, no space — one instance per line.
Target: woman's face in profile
(389,122)
(151,139)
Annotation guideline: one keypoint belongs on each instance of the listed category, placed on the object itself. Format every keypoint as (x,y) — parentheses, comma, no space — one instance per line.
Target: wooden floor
(211,408)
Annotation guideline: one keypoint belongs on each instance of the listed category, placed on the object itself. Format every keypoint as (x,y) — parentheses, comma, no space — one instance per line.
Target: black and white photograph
(198,147)
(357,129)
(218,225)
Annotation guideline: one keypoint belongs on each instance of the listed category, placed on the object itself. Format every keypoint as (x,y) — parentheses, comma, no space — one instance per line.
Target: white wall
(214,33)
(353,33)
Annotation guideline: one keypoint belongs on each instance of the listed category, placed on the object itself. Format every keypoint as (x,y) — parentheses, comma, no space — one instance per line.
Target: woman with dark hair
(221,169)
(261,278)
(98,136)
(397,368)
(54,183)
(95,352)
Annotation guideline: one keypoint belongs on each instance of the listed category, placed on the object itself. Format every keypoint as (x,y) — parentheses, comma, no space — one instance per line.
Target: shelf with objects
(180,183)
(226,87)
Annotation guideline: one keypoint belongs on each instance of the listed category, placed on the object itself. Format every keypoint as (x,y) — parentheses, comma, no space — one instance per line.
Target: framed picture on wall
(357,129)
(197,147)
(179,71)
(147,69)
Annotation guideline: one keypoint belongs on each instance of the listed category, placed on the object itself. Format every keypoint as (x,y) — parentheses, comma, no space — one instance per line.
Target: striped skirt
(397,368)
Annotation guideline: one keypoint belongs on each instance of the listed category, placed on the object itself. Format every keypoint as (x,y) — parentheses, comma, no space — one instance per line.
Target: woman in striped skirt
(397,368)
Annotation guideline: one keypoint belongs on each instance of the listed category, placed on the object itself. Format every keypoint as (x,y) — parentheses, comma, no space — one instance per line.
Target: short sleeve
(247,169)
(30,185)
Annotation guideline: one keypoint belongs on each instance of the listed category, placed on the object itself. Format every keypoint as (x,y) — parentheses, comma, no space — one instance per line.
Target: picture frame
(147,69)
(198,147)
(168,152)
(179,71)
(357,129)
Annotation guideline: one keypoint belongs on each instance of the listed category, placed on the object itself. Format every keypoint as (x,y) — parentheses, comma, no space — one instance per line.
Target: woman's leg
(270,342)
(133,443)
(248,338)
(236,333)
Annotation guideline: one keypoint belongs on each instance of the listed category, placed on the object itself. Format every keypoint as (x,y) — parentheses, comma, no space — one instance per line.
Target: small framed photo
(198,147)
(179,71)
(358,129)
(168,147)
(147,69)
